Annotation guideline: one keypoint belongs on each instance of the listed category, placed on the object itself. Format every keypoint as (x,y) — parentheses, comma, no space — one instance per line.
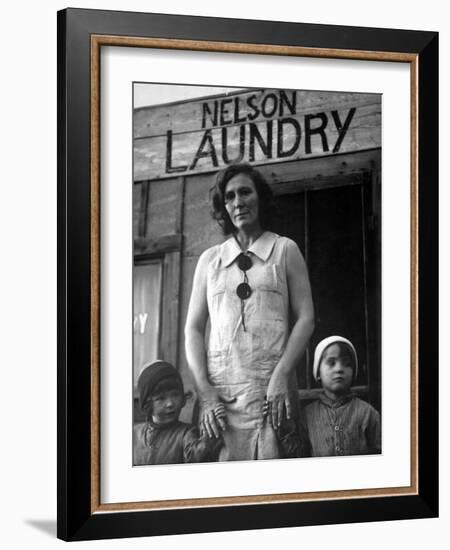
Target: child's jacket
(349,426)
(175,443)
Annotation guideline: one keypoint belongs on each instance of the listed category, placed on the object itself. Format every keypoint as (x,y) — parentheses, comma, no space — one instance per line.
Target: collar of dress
(335,404)
(152,427)
(262,248)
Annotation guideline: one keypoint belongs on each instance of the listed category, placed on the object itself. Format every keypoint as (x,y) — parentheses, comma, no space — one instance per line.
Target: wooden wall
(258,126)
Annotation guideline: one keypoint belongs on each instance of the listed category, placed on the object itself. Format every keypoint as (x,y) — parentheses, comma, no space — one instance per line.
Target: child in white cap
(163,438)
(338,422)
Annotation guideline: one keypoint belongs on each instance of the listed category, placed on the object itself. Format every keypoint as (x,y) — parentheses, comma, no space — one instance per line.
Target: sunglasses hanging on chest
(243,290)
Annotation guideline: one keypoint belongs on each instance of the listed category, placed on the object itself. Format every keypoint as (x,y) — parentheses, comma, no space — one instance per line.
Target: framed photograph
(247,255)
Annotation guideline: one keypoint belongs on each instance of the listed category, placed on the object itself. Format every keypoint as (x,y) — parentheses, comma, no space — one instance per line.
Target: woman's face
(242,202)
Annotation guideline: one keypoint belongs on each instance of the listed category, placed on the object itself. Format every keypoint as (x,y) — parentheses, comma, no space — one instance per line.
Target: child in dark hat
(163,438)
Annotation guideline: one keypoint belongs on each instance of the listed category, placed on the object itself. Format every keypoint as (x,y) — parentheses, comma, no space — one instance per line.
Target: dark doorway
(333,226)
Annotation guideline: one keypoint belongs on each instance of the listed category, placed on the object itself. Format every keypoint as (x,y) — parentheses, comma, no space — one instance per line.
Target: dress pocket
(217,296)
(266,277)
(215,291)
(270,302)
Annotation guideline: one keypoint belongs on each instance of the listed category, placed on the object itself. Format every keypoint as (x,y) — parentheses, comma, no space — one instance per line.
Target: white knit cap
(321,347)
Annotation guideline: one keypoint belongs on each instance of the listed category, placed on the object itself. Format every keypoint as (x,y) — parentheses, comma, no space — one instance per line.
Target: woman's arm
(194,333)
(301,305)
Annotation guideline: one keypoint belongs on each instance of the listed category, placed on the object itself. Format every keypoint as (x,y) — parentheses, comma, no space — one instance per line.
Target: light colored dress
(241,362)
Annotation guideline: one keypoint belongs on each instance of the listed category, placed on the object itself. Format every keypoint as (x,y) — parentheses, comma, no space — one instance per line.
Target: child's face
(167,405)
(336,370)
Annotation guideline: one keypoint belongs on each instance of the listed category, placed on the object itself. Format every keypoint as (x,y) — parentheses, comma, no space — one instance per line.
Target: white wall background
(28,274)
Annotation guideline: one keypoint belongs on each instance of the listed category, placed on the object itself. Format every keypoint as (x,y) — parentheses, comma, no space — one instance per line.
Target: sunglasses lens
(243,291)
(244,262)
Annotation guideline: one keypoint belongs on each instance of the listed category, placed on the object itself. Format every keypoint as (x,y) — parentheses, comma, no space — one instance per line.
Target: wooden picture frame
(81,35)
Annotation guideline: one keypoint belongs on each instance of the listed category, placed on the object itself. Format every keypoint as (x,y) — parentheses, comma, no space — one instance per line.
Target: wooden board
(255,126)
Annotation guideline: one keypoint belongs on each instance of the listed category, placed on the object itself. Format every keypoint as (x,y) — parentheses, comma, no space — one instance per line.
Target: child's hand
(209,401)
(220,418)
(221,414)
(214,417)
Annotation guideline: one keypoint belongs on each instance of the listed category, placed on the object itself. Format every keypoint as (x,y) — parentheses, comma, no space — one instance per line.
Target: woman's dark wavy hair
(265,196)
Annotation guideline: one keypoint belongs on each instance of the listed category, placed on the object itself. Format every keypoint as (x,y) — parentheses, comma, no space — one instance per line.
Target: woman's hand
(278,399)
(213,416)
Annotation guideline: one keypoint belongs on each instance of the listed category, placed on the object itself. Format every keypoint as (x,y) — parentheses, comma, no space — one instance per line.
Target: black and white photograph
(225,269)
(256,274)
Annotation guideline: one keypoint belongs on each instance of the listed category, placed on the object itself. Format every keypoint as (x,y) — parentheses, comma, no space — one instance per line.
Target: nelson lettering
(256,127)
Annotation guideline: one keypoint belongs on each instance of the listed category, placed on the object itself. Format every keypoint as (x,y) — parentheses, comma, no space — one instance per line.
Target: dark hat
(153,374)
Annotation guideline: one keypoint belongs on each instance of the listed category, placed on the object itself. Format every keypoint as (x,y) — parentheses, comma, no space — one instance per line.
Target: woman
(253,288)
